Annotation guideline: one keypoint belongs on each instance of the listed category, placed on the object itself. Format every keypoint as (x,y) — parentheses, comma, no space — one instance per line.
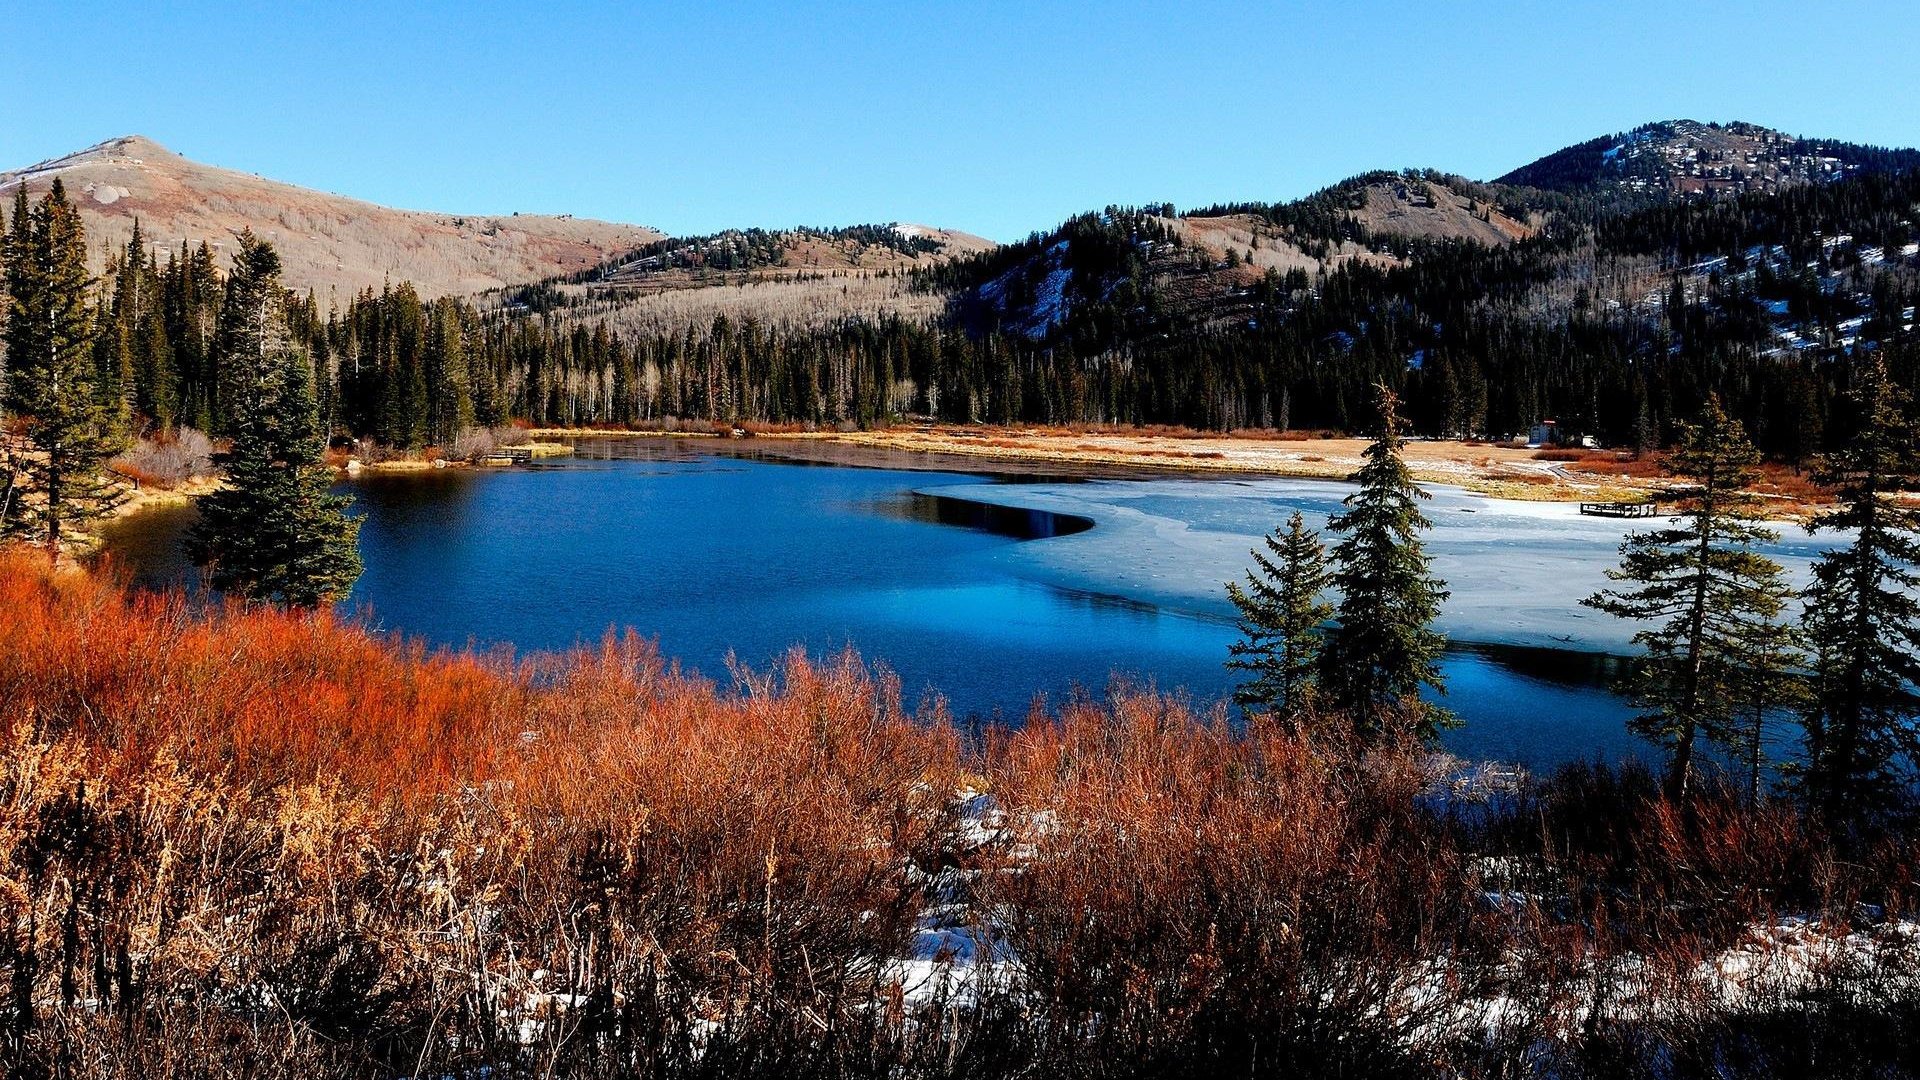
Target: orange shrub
(235,841)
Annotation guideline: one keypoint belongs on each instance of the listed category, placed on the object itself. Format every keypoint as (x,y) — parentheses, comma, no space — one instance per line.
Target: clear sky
(997,118)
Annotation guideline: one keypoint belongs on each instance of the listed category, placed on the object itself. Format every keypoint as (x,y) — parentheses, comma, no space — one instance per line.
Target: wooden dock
(1620,509)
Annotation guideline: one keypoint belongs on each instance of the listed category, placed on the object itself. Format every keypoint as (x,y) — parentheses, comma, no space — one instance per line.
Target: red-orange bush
(237,842)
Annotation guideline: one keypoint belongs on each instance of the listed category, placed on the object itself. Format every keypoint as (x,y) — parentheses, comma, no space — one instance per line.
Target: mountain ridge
(329,243)
(339,245)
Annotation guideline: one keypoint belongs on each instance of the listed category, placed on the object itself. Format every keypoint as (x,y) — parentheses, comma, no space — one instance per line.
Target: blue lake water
(728,553)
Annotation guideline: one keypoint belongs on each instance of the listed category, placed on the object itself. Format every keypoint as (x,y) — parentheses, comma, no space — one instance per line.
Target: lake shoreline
(1494,470)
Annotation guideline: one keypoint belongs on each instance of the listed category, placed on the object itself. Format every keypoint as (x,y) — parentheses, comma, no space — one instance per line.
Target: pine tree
(140,359)
(156,394)
(51,373)
(275,531)
(1861,615)
(1714,645)
(1382,648)
(449,401)
(1281,615)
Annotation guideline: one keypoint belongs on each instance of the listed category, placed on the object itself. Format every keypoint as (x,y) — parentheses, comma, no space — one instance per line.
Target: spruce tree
(275,531)
(50,377)
(1382,648)
(1714,646)
(449,402)
(1281,615)
(139,357)
(1862,618)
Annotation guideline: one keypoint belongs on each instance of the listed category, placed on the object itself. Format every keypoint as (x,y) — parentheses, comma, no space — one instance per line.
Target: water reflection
(1564,667)
(1020,523)
(149,547)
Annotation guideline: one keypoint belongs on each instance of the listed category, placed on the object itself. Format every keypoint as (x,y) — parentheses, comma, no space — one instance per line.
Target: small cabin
(1549,433)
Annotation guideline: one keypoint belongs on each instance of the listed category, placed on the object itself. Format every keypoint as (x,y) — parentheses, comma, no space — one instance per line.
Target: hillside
(1686,158)
(333,245)
(800,277)
(1490,307)
(1207,265)
(1155,271)
(739,255)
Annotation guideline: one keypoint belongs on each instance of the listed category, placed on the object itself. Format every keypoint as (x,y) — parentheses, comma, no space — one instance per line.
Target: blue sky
(994,118)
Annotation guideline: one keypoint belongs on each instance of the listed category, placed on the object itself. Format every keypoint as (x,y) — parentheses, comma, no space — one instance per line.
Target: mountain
(1610,285)
(1687,158)
(738,255)
(338,246)
(1134,271)
(1209,265)
(333,245)
(1613,290)
(802,277)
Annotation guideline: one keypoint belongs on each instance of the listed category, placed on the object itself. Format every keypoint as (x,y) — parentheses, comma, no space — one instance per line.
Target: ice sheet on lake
(1517,570)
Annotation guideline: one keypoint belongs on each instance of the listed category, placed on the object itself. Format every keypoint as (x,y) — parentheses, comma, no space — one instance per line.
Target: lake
(989,590)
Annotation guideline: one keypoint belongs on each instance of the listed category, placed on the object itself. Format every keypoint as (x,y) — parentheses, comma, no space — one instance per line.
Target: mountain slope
(333,245)
(739,255)
(1205,266)
(1687,158)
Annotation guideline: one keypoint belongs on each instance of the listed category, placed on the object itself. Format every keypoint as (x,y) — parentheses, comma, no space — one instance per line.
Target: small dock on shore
(524,454)
(1620,509)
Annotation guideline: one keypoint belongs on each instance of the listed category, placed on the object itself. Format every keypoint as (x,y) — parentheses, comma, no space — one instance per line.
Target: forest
(1618,323)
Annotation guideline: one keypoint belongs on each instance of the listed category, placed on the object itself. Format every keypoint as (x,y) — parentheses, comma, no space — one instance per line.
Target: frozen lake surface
(1517,570)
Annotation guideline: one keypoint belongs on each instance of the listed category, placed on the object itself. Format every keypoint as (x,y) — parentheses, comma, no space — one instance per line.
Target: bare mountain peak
(131,146)
(125,148)
(328,243)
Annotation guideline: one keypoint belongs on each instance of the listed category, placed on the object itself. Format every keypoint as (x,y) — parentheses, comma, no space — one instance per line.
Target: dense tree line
(86,367)
(1088,324)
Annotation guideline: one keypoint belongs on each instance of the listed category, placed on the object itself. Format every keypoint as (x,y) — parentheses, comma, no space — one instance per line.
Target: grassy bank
(1494,470)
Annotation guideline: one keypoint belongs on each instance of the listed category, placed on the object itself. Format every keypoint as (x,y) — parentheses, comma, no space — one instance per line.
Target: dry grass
(167,460)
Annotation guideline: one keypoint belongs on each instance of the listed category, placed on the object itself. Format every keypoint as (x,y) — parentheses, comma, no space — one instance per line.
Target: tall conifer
(1712,602)
(1282,610)
(275,531)
(1383,648)
(1862,618)
(50,378)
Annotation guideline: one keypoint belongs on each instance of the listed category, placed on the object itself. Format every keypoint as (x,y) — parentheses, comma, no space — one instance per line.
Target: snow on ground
(1050,294)
(1517,570)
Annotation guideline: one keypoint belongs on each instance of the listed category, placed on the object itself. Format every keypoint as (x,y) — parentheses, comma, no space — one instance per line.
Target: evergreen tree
(275,531)
(50,377)
(155,386)
(1713,602)
(449,399)
(249,336)
(140,359)
(1281,615)
(1383,648)
(1861,615)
